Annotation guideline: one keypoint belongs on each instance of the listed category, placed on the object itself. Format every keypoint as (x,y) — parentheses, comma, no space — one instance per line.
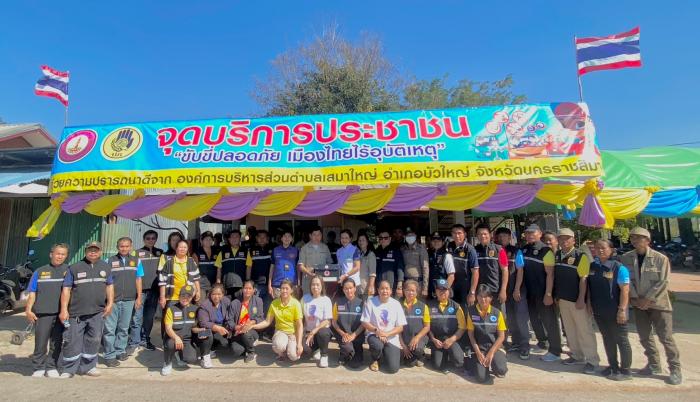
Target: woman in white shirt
(384,319)
(368,267)
(318,313)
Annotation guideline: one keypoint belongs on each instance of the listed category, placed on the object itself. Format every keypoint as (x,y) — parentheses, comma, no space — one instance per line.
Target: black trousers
(244,344)
(389,356)
(545,323)
(662,322)
(614,337)
(48,330)
(205,345)
(420,349)
(321,341)
(188,354)
(442,357)
(352,352)
(499,366)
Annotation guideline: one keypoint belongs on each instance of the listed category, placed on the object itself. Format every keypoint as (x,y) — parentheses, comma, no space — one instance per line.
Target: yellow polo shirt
(285,316)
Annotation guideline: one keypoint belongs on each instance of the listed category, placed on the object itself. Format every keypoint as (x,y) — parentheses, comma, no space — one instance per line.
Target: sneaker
(123,357)
(323,362)
(374,366)
(250,357)
(206,362)
(213,354)
(609,372)
(179,363)
(571,361)
(39,373)
(419,363)
(130,350)
(317,355)
(52,373)
(650,369)
(589,369)
(112,363)
(150,346)
(623,375)
(549,357)
(512,349)
(66,375)
(166,370)
(540,347)
(524,355)
(93,372)
(675,378)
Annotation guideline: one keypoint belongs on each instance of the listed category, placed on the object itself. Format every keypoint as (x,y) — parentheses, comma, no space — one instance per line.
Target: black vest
(149,260)
(436,260)
(349,313)
(388,264)
(207,270)
(511,253)
(167,278)
(124,276)
(443,324)
(48,289)
(566,279)
(485,328)
(603,287)
(261,264)
(233,266)
(535,277)
(183,319)
(489,268)
(414,320)
(88,295)
(463,270)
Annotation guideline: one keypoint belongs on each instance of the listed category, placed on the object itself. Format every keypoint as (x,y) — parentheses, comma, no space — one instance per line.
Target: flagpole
(580,88)
(65,114)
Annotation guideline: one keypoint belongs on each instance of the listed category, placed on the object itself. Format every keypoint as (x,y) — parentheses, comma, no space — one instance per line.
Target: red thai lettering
(238,133)
(268,132)
(411,126)
(332,132)
(393,131)
(429,128)
(182,139)
(208,133)
(303,134)
(350,131)
(464,130)
(166,136)
(286,133)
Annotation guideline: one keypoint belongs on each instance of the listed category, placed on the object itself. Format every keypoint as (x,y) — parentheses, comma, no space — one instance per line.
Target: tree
(333,75)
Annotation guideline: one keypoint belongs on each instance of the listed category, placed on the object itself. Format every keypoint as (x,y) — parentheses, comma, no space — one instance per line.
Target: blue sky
(141,61)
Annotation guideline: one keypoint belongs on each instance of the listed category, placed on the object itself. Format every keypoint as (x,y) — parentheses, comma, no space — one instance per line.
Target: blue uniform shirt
(285,262)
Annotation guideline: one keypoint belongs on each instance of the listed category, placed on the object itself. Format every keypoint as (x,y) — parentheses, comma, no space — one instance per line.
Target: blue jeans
(142,321)
(116,331)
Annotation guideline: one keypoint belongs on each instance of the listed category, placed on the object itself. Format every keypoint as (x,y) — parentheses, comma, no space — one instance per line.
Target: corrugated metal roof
(19,178)
(7,130)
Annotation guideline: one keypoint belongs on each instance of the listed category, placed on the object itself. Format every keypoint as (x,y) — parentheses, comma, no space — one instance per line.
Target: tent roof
(655,166)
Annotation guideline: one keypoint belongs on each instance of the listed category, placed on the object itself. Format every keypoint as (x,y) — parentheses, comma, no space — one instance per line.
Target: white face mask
(410,239)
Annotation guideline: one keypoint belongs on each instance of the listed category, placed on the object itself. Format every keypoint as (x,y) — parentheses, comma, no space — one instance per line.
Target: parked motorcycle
(13,284)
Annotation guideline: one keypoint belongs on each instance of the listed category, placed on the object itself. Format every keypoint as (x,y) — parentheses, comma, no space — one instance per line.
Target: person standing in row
(176,271)
(368,267)
(517,316)
(493,265)
(383,319)
(447,327)
(414,337)
(649,280)
(347,312)
(486,328)
(314,255)
(205,257)
(86,298)
(608,298)
(416,262)
(232,263)
(127,272)
(142,320)
(570,274)
(283,266)
(261,262)
(349,258)
(441,264)
(43,306)
(244,313)
(539,282)
(466,262)
(390,265)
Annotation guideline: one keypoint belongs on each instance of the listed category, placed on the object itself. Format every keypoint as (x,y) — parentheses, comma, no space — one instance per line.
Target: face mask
(410,239)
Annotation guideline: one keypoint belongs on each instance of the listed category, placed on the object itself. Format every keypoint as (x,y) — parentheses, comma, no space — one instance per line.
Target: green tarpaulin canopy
(658,166)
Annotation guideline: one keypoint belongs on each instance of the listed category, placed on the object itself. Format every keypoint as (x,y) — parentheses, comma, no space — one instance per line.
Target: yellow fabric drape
(696,210)
(366,201)
(191,207)
(104,205)
(625,203)
(279,203)
(46,221)
(568,194)
(459,198)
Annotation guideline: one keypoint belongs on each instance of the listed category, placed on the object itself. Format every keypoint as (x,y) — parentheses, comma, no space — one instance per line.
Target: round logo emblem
(326,273)
(491,253)
(122,143)
(191,314)
(77,145)
(103,274)
(255,310)
(535,252)
(571,260)
(451,310)
(417,311)
(493,318)
(358,309)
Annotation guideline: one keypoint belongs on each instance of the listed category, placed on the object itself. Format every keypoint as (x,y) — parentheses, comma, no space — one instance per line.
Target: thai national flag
(54,84)
(608,52)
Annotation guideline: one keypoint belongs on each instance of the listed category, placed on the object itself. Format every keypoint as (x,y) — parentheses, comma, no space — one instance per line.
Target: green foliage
(437,93)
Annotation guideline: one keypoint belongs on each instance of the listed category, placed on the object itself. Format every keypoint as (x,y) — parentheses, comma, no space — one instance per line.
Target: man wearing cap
(570,273)
(539,282)
(493,265)
(415,260)
(127,272)
(441,263)
(87,297)
(649,279)
(466,263)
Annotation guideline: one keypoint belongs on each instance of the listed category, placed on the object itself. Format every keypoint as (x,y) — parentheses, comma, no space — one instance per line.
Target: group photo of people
(378,301)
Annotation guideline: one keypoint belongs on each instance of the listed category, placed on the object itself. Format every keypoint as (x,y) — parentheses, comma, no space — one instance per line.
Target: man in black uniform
(42,309)
(493,265)
(142,321)
(441,264)
(87,297)
(466,263)
(389,263)
(261,258)
(232,263)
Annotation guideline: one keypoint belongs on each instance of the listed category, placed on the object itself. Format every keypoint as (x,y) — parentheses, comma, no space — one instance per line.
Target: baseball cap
(435,236)
(533,228)
(187,290)
(640,231)
(441,284)
(566,232)
(95,244)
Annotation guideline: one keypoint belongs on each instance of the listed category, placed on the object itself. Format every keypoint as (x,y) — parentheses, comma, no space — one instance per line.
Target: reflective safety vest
(511,253)
(485,328)
(261,264)
(149,260)
(207,270)
(124,276)
(89,292)
(489,268)
(463,270)
(566,279)
(535,277)
(48,289)
(436,261)
(233,266)
(167,277)
(414,320)
(443,323)
(603,287)
(184,319)
(389,265)
(349,313)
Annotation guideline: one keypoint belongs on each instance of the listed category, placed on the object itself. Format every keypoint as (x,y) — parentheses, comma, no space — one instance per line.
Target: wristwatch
(472,293)
(549,295)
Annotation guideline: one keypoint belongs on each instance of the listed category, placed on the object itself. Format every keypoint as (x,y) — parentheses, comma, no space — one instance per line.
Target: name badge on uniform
(202,257)
(389,254)
(82,275)
(142,254)
(177,314)
(255,310)
(571,260)
(241,254)
(491,253)
(341,308)
(608,275)
(45,275)
(434,310)
(476,318)
(115,264)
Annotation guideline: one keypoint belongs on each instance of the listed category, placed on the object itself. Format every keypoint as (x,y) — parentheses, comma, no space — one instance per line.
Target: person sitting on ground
(243,314)
(179,323)
(486,328)
(318,312)
(414,337)
(384,319)
(447,327)
(212,316)
(286,312)
(347,312)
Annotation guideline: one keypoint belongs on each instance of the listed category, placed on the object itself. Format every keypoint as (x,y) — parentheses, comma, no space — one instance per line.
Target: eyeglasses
(384,237)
